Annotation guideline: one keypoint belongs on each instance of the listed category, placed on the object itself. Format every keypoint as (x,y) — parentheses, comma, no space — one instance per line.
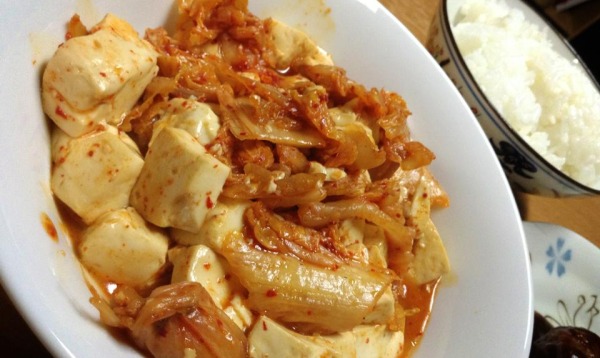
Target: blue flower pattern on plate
(558,258)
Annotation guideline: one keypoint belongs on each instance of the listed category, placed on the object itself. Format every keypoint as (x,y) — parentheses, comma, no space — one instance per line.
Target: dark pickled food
(558,342)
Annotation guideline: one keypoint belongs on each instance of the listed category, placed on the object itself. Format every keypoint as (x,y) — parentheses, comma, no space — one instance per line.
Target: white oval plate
(565,268)
(486,309)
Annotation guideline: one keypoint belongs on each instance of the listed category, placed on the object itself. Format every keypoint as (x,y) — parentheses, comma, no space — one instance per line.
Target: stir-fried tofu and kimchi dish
(231,192)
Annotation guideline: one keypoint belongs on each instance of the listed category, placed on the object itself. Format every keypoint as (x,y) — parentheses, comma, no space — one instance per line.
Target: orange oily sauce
(420,297)
(49,227)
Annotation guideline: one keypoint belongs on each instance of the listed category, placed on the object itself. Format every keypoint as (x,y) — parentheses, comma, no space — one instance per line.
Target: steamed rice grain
(546,98)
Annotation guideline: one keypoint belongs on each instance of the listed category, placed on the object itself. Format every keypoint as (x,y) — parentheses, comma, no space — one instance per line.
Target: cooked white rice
(547,99)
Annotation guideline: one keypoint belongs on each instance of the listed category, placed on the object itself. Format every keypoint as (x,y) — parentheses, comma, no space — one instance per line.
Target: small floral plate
(566,276)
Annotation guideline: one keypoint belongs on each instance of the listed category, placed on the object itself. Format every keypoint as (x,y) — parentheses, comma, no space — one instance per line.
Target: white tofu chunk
(377,257)
(378,341)
(343,116)
(201,264)
(98,77)
(376,242)
(224,219)
(94,173)
(179,183)
(351,236)
(384,309)
(292,45)
(430,260)
(238,311)
(269,339)
(122,248)
(369,155)
(197,118)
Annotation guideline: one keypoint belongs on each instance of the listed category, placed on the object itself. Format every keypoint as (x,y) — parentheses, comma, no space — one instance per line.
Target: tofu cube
(120,247)
(94,173)
(378,341)
(239,312)
(351,236)
(201,264)
(376,242)
(179,183)
(291,45)
(269,339)
(384,309)
(98,77)
(196,118)
(224,219)
(430,260)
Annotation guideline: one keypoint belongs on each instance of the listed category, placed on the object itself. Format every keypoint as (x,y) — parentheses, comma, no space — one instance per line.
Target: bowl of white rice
(535,99)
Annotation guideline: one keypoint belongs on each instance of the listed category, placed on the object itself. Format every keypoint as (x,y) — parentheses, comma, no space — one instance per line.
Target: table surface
(581,215)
